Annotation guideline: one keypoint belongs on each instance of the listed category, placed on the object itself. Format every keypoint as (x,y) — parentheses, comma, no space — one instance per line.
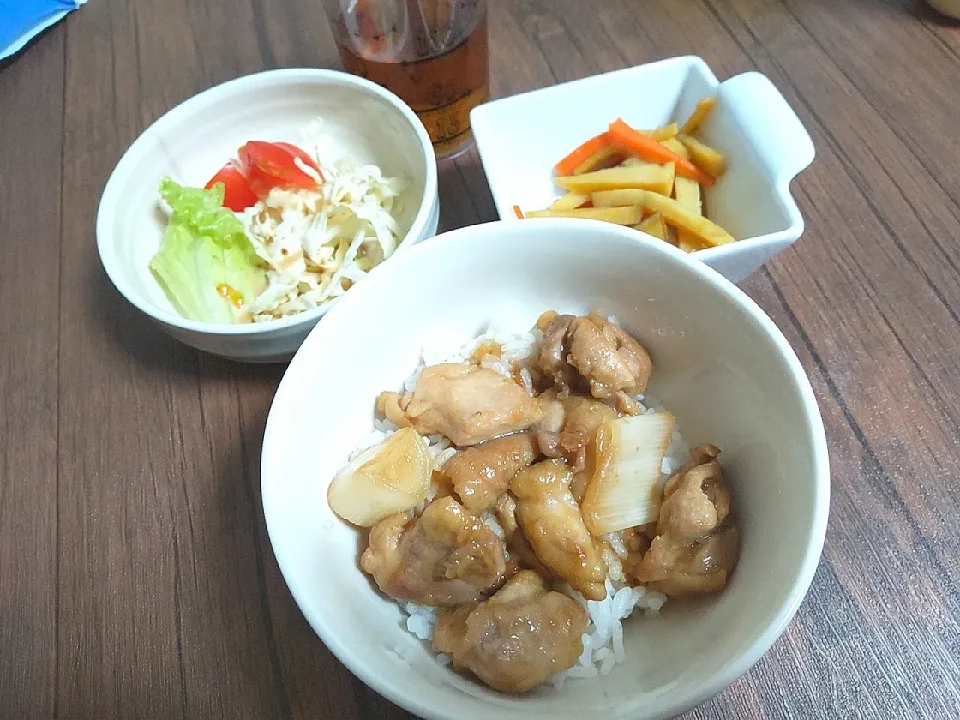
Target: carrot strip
(649,149)
(518,212)
(573,160)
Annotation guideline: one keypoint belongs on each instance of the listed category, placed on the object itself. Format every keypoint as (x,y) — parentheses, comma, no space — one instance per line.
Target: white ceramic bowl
(521,138)
(192,141)
(720,364)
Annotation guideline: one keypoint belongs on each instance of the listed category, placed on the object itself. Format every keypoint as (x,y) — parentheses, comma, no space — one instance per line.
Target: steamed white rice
(603,645)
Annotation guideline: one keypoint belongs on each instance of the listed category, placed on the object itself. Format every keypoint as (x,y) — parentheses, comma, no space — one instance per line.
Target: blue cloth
(22,20)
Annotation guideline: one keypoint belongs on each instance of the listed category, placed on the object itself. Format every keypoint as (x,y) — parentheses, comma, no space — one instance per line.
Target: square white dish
(521,138)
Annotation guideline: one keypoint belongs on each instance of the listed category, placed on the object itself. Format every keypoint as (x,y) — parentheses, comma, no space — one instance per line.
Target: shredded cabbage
(318,243)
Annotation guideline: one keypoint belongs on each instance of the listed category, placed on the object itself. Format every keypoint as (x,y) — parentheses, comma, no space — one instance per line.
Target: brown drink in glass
(432,53)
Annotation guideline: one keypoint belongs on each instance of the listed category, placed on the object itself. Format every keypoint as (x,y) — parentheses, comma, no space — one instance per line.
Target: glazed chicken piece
(608,358)
(482,473)
(516,639)
(554,350)
(468,404)
(550,519)
(583,416)
(702,501)
(518,546)
(700,455)
(636,542)
(699,568)
(569,424)
(547,431)
(626,405)
(697,543)
(388,405)
(593,352)
(446,557)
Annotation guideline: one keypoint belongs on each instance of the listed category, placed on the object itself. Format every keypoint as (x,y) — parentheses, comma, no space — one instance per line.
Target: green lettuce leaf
(206,264)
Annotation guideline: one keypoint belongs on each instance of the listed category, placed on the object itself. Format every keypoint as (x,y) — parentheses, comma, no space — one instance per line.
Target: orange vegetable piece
(518,212)
(577,157)
(649,149)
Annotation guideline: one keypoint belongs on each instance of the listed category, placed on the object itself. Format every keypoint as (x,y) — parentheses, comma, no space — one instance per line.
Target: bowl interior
(719,364)
(646,96)
(195,139)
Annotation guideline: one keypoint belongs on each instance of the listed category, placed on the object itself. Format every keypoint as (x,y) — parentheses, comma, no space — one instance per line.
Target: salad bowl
(192,141)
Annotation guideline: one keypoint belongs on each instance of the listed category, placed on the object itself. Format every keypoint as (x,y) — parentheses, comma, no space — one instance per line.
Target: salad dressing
(234,296)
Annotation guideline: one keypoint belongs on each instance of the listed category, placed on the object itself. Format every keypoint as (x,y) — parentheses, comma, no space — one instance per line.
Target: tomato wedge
(237,194)
(301,155)
(268,165)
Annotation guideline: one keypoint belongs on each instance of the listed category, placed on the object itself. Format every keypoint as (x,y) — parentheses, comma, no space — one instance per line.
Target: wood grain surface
(136,578)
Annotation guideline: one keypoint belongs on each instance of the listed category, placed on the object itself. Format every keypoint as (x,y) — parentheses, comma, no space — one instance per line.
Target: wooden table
(136,578)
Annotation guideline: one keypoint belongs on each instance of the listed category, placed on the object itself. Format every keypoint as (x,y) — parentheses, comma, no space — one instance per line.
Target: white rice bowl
(722,368)
(603,646)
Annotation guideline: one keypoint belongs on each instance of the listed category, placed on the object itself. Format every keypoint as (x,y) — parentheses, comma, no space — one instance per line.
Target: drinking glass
(432,53)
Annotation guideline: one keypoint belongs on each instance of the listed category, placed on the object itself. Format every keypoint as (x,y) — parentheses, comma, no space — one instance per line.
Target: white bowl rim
(816,436)
(250,83)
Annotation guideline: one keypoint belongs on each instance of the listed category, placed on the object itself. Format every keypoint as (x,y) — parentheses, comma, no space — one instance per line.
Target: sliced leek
(624,487)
